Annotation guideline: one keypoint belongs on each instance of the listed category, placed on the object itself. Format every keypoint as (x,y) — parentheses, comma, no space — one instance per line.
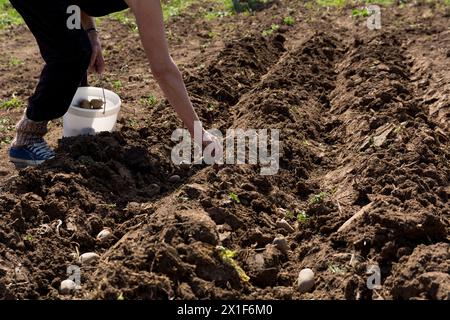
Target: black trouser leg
(66,54)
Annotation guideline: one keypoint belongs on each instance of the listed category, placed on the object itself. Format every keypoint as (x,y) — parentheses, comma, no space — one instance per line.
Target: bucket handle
(102,83)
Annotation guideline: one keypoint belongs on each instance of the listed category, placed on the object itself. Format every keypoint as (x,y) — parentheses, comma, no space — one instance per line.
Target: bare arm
(87,21)
(149,18)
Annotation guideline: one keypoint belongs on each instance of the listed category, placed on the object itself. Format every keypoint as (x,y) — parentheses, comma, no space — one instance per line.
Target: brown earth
(364,133)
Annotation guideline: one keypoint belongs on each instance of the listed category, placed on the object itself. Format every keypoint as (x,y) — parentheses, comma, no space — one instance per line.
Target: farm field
(364,174)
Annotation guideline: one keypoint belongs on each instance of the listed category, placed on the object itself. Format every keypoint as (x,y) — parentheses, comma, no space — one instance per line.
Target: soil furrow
(363,180)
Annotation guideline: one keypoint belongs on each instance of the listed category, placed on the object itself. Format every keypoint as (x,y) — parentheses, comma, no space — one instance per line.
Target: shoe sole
(21,163)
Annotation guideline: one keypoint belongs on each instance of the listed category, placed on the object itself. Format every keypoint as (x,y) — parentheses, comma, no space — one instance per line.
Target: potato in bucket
(98,117)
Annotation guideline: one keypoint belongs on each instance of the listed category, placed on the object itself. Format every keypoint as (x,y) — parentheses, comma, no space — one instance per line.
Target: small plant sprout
(221,9)
(274,27)
(305,143)
(132,123)
(28,238)
(289,21)
(124,18)
(302,217)
(5,125)
(289,214)
(172,8)
(363,12)
(212,34)
(15,62)
(234,197)
(211,15)
(117,85)
(6,140)
(336,269)
(13,103)
(150,101)
(227,257)
(318,198)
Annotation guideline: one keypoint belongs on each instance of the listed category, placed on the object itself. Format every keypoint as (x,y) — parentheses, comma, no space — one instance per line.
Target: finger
(100,64)
(93,59)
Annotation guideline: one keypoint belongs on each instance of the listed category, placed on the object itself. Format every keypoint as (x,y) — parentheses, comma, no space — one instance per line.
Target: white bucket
(78,121)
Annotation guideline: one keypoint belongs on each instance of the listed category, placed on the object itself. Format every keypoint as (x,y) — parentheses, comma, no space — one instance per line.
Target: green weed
(15,62)
(274,27)
(227,257)
(5,125)
(211,107)
(173,8)
(6,141)
(336,269)
(149,101)
(289,214)
(332,3)
(356,13)
(234,197)
(289,21)
(117,85)
(13,103)
(318,198)
(302,217)
(8,15)
(299,215)
(125,18)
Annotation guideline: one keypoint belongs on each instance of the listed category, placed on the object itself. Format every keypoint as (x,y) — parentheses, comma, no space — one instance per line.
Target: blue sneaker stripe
(31,155)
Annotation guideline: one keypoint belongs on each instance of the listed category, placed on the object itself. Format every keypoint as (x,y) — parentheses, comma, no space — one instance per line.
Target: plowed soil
(365,137)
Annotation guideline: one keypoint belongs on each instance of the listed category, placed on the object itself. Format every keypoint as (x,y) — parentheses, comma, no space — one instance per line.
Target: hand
(97,63)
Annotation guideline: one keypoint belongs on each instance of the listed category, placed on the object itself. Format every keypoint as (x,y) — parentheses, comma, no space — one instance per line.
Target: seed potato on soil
(306,280)
(89,258)
(67,287)
(104,235)
(363,177)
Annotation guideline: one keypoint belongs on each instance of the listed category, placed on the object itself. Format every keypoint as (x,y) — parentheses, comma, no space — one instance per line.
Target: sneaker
(32,155)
